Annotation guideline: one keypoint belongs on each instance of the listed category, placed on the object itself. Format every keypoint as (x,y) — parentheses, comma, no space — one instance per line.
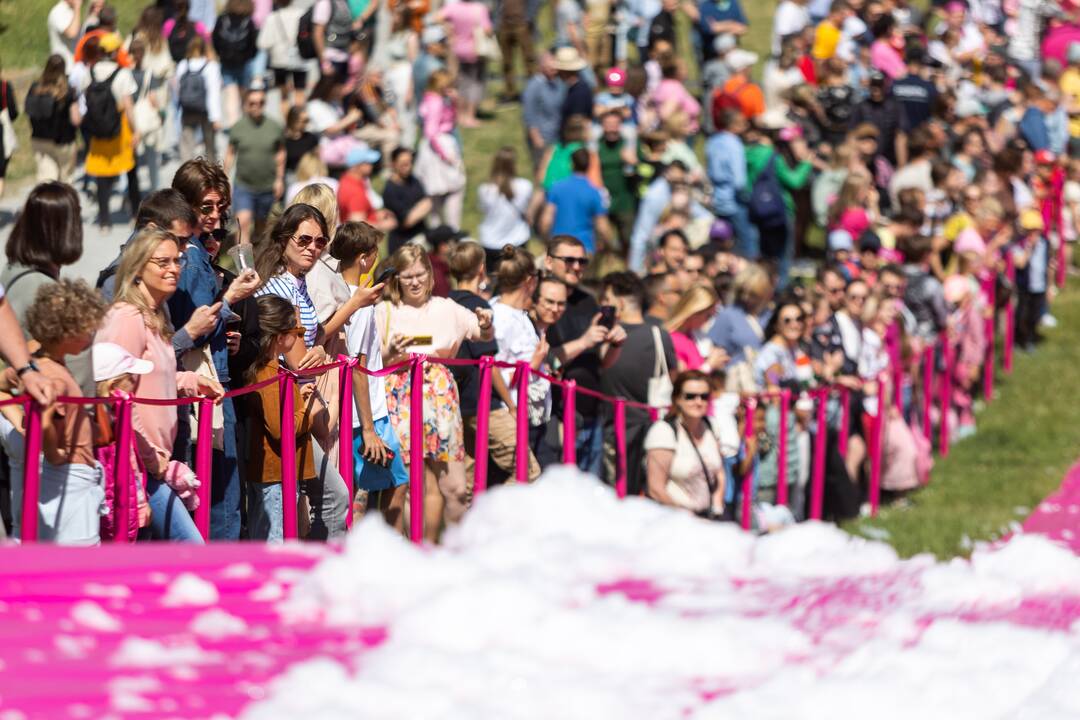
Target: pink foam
(1058,516)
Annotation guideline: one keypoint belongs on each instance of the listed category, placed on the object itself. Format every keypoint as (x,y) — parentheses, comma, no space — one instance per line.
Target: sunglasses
(582,261)
(305,240)
(695,396)
(166,263)
(297,331)
(792,320)
(207,208)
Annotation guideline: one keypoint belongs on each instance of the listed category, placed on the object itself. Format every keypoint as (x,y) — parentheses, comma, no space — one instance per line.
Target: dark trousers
(1029,309)
(104,191)
(519,35)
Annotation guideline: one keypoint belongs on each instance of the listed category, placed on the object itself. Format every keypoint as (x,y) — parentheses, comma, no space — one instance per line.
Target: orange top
(264,434)
(749,97)
(123,59)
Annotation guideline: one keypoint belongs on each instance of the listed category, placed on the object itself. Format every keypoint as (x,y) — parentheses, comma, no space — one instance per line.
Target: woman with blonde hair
(439,163)
(416,322)
(311,170)
(689,317)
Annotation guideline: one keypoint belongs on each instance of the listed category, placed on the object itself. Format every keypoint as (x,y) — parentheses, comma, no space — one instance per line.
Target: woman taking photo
(684,466)
(438,157)
(416,322)
(690,315)
(149,269)
(53,108)
(504,203)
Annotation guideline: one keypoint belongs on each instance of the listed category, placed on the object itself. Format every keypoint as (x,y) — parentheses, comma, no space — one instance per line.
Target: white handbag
(660,387)
(487,47)
(147,117)
(10,141)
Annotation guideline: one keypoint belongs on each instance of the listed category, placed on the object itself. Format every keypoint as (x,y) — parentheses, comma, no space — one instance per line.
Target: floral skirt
(443,434)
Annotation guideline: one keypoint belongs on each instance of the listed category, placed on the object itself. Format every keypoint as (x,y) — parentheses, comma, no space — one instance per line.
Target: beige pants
(54,162)
(502,445)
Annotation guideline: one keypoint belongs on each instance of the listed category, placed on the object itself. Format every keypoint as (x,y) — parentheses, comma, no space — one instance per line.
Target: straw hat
(696,299)
(568,59)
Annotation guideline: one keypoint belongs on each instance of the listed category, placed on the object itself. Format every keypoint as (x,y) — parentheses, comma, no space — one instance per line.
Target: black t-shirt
(296,148)
(662,27)
(578,101)
(629,375)
(468,377)
(581,308)
(916,96)
(888,117)
(399,199)
(50,118)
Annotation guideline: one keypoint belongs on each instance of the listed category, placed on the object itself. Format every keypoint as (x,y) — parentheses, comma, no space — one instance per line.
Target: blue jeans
(326,494)
(589,442)
(169,520)
(257,202)
(265,513)
(778,244)
(225,491)
(747,238)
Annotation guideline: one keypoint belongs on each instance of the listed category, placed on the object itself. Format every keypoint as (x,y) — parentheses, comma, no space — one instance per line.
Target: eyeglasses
(418,278)
(582,261)
(165,263)
(695,396)
(797,320)
(305,240)
(207,208)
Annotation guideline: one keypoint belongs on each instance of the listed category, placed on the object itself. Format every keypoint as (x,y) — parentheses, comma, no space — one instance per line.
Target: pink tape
(521,459)
(345,431)
(483,416)
(845,420)
(781,449)
(1010,314)
(416,450)
(748,479)
(817,481)
(927,391)
(569,456)
(32,473)
(944,402)
(876,444)
(123,470)
(620,448)
(286,386)
(204,447)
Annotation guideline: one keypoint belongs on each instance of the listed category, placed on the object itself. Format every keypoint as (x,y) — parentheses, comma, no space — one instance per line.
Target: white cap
(112,360)
(739,59)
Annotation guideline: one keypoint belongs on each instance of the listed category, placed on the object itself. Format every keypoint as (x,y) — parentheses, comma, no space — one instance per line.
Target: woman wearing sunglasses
(684,465)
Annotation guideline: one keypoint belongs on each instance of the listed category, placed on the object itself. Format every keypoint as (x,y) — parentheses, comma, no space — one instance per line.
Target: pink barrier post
(945,401)
(416,450)
(32,473)
(345,431)
(877,445)
(781,449)
(991,327)
(483,412)
(748,479)
(620,448)
(817,481)
(927,391)
(521,459)
(845,420)
(122,472)
(896,365)
(569,451)
(1059,276)
(286,388)
(1010,316)
(204,447)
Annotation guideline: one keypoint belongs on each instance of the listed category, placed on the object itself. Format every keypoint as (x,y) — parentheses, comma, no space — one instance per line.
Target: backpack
(723,102)
(234,40)
(192,91)
(102,113)
(305,41)
(766,204)
(179,39)
(40,106)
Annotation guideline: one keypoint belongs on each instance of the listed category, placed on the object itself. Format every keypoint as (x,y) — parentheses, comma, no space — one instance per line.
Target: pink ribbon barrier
(945,401)
(204,447)
(989,290)
(620,448)
(346,465)
(32,473)
(569,452)
(286,387)
(877,437)
(122,472)
(748,478)
(416,450)
(483,412)
(521,459)
(927,391)
(1010,315)
(781,449)
(817,479)
(845,421)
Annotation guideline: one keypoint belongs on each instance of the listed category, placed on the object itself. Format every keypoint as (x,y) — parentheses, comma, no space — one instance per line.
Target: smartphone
(385,275)
(390,455)
(420,340)
(220,295)
(607,316)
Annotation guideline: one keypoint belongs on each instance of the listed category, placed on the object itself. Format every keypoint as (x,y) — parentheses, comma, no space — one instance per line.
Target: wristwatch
(28,367)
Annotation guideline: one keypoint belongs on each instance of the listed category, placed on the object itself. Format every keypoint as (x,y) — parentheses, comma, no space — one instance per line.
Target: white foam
(190,589)
(216,623)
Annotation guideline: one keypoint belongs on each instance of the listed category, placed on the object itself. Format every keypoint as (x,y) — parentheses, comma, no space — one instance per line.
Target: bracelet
(30,366)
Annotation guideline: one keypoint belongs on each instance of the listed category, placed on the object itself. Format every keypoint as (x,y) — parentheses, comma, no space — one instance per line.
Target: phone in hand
(607,316)
(385,275)
(418,340)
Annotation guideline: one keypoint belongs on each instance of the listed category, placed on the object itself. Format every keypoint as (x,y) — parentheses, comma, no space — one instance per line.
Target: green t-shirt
(255,145)
(615,179)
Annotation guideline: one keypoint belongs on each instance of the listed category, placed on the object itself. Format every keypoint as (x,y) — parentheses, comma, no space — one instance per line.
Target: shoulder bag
(660,387)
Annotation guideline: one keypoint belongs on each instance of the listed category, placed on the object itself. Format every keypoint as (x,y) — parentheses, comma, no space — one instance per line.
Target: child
(280,330)
(615,99)
(377,451)
(62,320)
(842,253)
(1031,256)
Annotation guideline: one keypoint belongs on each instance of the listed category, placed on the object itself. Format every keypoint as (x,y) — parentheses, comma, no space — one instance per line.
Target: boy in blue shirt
(1031,257)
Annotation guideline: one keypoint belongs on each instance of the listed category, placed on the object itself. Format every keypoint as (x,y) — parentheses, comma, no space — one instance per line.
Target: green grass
(1027,439)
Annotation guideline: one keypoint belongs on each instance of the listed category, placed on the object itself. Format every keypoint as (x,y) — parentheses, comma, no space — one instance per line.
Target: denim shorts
(255,202)
(237,75)
(370,476)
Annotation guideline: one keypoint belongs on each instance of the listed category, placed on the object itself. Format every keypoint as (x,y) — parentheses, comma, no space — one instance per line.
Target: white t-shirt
(504,219)
(362,338)
(515,335)
(123,85)
(321,115)
(59,19)
(790,18)
(687,484)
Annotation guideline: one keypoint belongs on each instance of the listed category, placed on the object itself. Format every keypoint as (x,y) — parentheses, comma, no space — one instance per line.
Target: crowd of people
(897,180)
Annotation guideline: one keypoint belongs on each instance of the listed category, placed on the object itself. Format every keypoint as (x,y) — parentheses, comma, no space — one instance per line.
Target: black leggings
(104,190)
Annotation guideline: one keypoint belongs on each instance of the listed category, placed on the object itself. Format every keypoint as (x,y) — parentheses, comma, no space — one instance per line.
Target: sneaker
(1048,321)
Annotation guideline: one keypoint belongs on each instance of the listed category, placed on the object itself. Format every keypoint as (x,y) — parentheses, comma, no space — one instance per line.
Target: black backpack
(766,205)
(305,41)
(192,91)
(102,113)
(179,39)
(234,40)
(40,106)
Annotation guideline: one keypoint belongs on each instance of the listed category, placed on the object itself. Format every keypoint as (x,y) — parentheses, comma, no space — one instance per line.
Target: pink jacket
(438,115)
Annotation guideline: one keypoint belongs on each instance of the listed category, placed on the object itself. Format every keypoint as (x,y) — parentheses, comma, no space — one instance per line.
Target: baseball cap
(841,240)
(361,154)
(1044,157)
(112,360)
(433,34)
(110,42)
(615,77)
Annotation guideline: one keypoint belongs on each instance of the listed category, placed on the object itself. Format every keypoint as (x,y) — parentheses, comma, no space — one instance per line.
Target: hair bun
(509,252)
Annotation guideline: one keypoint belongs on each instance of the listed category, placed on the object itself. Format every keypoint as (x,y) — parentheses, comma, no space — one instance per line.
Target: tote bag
(660,387)
(10,141)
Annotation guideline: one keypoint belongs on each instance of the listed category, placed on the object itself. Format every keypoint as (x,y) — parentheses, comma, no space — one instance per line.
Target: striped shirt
(294,289)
